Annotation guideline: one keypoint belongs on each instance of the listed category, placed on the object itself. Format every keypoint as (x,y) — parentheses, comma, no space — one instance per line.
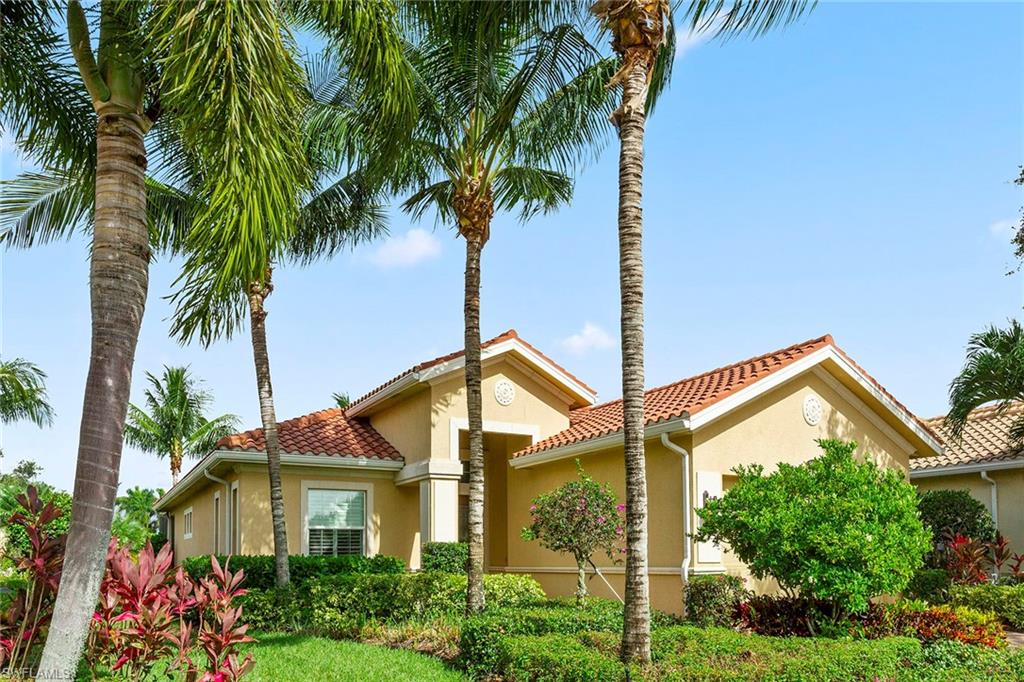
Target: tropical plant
(992,373)
(947,513)
(176,425)
(510,102)
(218,81)
(579,518)
(135,520)
(832,529)
(643,38)
(23,393)
(341,400)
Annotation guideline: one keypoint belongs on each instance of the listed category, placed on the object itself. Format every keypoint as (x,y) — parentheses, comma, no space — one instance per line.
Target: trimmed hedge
(930,584)
(713,600)
(259,569)
(1005,601)
(555,658)
(339,605)
(446,557)
(482,635)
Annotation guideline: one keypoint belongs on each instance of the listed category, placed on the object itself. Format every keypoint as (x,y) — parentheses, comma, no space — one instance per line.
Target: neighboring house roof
(328,432)
(689,397)
(985,440)
(455,360)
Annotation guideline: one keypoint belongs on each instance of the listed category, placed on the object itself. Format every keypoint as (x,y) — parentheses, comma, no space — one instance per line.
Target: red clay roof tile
(985,438)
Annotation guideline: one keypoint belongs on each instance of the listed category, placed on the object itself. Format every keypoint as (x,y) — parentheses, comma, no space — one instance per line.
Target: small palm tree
(341,400)
(993,372)
(23,394)
(174,423)
(505,117)
(137,505)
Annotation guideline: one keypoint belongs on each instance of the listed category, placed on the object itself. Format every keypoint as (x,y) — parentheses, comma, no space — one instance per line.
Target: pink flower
(620,507)
(600,519)
(533,507)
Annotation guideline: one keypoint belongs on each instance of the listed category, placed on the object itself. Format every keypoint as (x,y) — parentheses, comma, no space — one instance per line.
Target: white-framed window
(337,518)
(216,522)
(186,524)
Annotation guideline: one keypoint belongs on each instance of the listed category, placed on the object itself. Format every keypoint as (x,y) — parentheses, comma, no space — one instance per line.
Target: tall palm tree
(992,373)
(137,505)
(23,394)
(643,38)
(510,102)
(219,80)
(175,425)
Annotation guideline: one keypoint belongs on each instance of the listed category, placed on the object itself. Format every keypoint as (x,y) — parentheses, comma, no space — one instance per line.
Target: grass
(284,656)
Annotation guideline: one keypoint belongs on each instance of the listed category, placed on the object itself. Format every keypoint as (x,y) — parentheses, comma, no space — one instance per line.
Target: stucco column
(439,510)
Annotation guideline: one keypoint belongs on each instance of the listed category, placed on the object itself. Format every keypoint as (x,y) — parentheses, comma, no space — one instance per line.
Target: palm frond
(728,18)
(347,213)
(23,394)
(40,207)
(533,190)
(993,372)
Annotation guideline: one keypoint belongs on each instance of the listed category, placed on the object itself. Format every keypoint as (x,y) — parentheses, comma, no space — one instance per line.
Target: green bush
(953,512)
(341,602)
(950,660)
(714,599)
(930,584)
(482,635)
(1006,601)
(276,610)
(554,658)
(446,557)
(832,528)
(259,569)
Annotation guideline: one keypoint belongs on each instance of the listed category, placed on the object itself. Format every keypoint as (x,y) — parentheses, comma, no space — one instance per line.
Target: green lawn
(284,656)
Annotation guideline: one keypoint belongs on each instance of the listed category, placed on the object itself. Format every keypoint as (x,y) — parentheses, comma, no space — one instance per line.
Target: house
(985,462)
(388,473)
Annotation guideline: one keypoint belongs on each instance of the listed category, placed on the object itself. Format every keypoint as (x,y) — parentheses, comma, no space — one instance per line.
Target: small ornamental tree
(831,529)
(579,518)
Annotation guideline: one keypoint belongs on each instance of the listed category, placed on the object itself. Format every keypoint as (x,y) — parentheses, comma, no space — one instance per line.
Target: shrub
(342,603)
(578,518)
(17,542)
(930,624)
(966,560)
(947,513)
(782,616)
(1006,601)
(930,584)
(276,610)
(714,599)
(554,658)
(445,557)
(830,529)
(951,660)
(259,569)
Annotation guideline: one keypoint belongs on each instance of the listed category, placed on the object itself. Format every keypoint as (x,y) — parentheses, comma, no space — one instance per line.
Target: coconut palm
(992,373)
(510,102)
(23,394)
(643,38)
(175,425)
(216,84)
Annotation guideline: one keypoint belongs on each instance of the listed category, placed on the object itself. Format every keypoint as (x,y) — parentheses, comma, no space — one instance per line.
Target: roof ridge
(827,339)
(986,411)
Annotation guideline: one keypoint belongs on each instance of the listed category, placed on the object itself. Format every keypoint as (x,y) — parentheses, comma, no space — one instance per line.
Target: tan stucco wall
(1010,490)
(406,425)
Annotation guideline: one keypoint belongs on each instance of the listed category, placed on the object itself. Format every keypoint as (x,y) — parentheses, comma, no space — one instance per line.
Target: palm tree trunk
(119,278)
(636,632)
(257,316)
(176,457)
(475,410)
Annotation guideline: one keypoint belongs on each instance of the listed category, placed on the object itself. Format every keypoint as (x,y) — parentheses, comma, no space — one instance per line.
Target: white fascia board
(289,459)
(398,386)
(956,469)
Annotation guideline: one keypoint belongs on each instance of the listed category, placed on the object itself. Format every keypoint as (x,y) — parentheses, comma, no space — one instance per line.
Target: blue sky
(849,175)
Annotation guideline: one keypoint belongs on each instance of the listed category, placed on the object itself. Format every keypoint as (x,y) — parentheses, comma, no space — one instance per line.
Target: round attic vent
(504,392)
(812,410)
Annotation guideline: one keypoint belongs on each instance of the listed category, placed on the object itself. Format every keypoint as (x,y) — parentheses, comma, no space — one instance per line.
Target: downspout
(224,507)
(684,568)
(995,498)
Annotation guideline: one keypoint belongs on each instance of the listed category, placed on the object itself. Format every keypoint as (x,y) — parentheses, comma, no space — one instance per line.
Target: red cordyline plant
(148,612)
(24,622)
(968,561)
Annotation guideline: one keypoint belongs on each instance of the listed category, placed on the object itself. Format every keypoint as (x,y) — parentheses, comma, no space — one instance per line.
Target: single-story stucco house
(387,474)
(983,461)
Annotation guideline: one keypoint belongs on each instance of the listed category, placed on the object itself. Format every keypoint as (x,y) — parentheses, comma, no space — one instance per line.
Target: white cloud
(401,251)
(591,337)
(1002,228)
(694,38)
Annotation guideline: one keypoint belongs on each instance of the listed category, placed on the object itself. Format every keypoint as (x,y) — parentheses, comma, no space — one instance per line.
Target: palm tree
(509,103)
(643,38)
(176,425)
(993,372)
(137,505)
(23,394)
(341,399)
(220,82)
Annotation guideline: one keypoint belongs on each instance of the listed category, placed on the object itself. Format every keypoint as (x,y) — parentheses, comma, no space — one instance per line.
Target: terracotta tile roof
(985,438)
(330,433)
(690,396)
(505,336)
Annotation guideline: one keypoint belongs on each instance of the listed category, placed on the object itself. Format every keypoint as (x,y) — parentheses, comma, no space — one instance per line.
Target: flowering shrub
(148,612)
(948,513)
(578,518)
(24,621)
(931,624)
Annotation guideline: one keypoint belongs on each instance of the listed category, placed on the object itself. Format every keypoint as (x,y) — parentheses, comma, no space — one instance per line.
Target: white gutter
(684,568)
(599,443)
(995,498)
(966,469)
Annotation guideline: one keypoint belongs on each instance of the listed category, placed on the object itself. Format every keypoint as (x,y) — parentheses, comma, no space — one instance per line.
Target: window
(186,524)
(216,523)
(337,522)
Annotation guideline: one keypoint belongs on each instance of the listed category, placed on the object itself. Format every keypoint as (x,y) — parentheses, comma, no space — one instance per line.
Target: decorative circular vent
(812,410)
(504,392)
